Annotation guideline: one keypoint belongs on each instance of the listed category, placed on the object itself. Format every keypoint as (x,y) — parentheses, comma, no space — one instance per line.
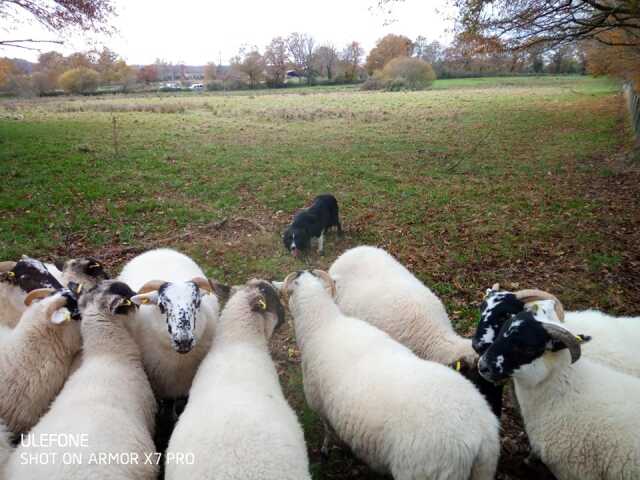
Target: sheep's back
(162,264)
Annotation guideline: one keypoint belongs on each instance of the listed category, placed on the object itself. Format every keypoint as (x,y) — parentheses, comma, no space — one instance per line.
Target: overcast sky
(196,32)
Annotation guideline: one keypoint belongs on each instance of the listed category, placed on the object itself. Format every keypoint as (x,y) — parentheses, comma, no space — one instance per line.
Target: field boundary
(634,109)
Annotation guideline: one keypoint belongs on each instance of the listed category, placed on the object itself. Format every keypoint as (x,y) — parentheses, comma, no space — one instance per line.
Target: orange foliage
(7,68)
(389,47)
(618,61)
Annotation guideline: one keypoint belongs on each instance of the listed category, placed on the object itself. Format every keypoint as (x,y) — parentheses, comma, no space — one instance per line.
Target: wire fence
(634,109)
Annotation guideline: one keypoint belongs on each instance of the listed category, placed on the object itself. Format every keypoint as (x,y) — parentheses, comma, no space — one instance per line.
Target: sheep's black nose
(184,345)
(483,368)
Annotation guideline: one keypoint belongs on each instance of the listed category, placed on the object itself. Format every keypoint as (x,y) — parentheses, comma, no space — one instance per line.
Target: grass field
(511,180)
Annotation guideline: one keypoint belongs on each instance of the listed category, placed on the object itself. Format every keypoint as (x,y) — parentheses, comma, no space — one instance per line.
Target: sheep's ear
(149,298)
(222,291)
(583,338)
(117,303)
(259,303)
(60,316)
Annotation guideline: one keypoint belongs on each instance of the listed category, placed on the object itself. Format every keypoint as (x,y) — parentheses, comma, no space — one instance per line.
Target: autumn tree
(387,48)
(524,23)
(351,59)
(113,69)
(80,59)
(47,71)
(7,70)
(301,48)
(618,61)
(327,60)
(210,72)
(251,64)
(276,59)
(79,80)
(57,16)
(409,73)
(148,74)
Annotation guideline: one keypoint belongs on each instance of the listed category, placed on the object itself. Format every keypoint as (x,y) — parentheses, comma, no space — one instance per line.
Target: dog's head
(296,240)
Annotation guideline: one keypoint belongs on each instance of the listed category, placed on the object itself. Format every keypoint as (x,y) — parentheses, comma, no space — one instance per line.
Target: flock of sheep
(85,355)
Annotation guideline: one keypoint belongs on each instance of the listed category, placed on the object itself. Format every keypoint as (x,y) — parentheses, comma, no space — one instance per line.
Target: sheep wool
(615,339)
(402,415)
(237,423)
(375,287)
(582,419)
(107,402)
(35,360)
(11,304)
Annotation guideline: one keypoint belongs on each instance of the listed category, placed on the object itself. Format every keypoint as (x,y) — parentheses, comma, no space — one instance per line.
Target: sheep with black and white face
(17,279)
(176,321)
(618,337)
(570,405)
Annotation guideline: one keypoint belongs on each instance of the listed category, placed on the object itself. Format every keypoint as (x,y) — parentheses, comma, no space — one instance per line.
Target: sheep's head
(111,297)
(500,305)
(28,274)
(263,300)
(86,271)
(55,302)
(180,303)
(522,340)
(496,308)
(292,281)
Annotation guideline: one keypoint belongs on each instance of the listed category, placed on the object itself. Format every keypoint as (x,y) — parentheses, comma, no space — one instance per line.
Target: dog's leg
(321,243)
(339,228)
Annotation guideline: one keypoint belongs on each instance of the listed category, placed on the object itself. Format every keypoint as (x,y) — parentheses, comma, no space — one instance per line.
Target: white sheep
(412,418)
(581,417)
(35,359)
(616,337)
(176,322)
(17,279)
(238,424)
(106,405)
(375,287)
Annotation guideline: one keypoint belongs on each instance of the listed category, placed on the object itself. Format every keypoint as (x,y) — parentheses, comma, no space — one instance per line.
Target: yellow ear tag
(262,303)
(145,301)
(579,338)
(458,366)
(126,302)
(11,274)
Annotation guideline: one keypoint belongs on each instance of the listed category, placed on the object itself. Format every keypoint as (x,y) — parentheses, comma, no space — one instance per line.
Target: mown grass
(475,181)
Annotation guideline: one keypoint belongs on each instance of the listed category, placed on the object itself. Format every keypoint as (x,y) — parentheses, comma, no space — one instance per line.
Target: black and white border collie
(310,223)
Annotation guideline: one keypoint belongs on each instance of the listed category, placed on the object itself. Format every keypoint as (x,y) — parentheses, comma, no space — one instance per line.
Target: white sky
(196,31)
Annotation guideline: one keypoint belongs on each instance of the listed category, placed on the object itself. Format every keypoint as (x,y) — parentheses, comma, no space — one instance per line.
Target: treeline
(79,72)
(295,59)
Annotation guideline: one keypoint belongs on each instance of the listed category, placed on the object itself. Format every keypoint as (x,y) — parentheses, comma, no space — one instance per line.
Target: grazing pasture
(520,181)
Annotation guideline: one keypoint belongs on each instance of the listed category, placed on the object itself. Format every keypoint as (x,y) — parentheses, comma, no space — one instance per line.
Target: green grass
(475,181)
